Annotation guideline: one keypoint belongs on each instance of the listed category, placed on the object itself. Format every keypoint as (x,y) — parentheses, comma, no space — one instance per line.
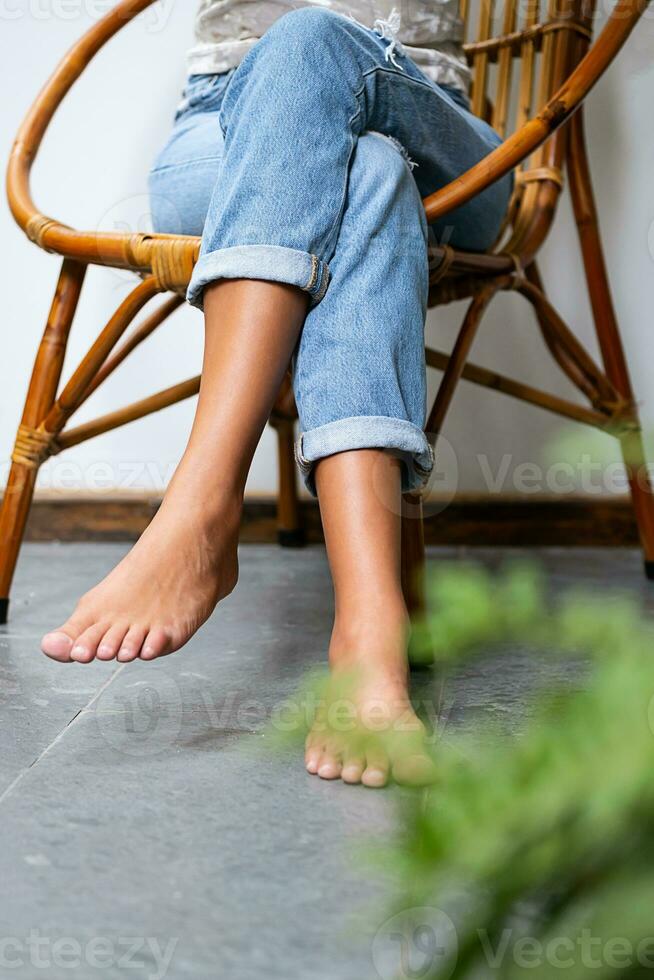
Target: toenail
(77,651)
(376,775)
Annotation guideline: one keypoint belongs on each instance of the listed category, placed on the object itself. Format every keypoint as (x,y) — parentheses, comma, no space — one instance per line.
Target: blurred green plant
(540,849)
(536,851)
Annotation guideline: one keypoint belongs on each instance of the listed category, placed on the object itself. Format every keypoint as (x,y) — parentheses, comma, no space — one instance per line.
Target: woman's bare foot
(185,562)
(161,592)
(366,730)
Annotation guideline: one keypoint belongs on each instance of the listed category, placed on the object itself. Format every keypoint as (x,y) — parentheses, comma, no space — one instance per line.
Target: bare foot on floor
(366,730)
(160,594)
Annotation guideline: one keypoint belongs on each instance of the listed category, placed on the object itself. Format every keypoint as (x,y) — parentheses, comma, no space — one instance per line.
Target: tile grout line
(17,779)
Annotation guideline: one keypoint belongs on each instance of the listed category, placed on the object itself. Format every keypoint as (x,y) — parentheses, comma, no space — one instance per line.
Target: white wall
(91,173)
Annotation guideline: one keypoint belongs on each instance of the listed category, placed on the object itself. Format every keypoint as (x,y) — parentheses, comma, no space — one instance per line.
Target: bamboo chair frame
(558,67)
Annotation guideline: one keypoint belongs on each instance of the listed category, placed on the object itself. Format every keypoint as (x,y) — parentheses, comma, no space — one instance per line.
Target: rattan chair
(556,65)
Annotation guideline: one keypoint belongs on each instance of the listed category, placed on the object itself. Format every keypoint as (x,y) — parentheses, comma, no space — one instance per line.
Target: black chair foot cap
(4,611)
(649,570)
(291,539)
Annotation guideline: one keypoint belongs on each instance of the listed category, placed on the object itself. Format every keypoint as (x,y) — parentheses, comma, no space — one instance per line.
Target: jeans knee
(306,27)
(381,172)
(290,67)
(308,47)
(383,158)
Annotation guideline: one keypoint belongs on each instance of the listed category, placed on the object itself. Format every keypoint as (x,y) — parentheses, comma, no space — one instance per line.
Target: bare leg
(359,495)
(185,561)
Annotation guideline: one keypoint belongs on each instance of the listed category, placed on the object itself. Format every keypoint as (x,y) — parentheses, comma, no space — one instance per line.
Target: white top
(430,32)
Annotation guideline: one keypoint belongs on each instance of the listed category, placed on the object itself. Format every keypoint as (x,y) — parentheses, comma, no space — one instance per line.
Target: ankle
(215,508)
(373,640)
(372,614)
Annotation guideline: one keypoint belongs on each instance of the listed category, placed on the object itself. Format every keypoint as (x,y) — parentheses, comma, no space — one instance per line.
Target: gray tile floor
(147,831)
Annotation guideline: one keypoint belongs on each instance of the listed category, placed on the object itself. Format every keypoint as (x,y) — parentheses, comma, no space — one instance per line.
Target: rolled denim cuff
(271,262)
(401,438)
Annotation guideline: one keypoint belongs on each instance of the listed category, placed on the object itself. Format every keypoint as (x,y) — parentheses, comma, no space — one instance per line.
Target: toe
(312,754)
(131,646)
(58,645)
(157,644)
(86,644)
(353,766)
(331,762)
(110,643)
(417,769)
(60,642)
(377,768)
(329,768)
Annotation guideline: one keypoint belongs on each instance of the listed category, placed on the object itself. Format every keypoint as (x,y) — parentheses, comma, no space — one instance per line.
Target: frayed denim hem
(270,262)
(400,437)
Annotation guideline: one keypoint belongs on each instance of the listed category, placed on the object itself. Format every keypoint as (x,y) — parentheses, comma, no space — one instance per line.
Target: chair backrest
(541,35)
(546,43)
(520,52)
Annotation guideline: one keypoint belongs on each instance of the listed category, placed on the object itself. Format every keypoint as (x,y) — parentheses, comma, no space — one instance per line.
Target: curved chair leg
(569,354)
(16,504)
(459,355)
(413,569)
(40,397)
(608,333)
(290,532)
(413,554)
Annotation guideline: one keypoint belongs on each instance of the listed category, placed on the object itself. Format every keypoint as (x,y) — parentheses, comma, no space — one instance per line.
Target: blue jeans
(306,164)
